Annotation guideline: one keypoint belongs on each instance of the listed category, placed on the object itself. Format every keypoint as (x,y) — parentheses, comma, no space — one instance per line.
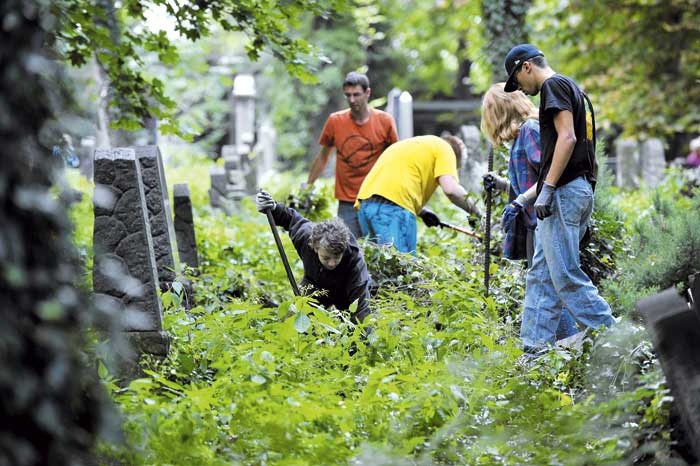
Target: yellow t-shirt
(407,172)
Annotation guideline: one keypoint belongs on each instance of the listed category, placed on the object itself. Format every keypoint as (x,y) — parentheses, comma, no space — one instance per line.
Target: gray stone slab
(652,162)
(124,266)
(627,160)
(675,330)
(159,212)
(184,225)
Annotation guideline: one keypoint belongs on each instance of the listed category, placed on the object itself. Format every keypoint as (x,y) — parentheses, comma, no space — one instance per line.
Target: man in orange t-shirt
(359,135)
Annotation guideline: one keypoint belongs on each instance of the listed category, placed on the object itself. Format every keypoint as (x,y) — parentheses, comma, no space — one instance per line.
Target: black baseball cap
(515,58)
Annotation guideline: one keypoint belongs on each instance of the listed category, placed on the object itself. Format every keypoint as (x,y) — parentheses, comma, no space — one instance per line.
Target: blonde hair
(502,113)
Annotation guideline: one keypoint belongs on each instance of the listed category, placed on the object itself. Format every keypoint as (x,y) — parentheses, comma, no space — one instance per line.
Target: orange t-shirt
(357,147)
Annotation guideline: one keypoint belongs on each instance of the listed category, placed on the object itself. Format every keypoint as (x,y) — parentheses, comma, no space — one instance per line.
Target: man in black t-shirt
(564,201)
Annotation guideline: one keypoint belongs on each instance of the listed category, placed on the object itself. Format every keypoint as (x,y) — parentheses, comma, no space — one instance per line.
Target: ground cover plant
(258,376)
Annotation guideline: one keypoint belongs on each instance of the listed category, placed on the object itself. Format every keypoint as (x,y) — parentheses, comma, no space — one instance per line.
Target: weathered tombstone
(244,109)
(404,123)
(124,271)
(475,164)
(265,152)
(218,195)
(159,214)
(184,225)
(675,330)
(392,103)
(652,161)
(86,152)
(627,159)
(236,170)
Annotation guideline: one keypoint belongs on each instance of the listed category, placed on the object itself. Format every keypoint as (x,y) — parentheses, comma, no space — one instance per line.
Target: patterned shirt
(524,162)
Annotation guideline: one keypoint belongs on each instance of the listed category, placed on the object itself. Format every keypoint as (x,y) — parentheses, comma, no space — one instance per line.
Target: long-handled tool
(487,230)
(460,229)
(280,248)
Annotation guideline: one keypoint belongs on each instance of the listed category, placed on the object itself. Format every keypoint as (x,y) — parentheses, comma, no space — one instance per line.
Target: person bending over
(333,262)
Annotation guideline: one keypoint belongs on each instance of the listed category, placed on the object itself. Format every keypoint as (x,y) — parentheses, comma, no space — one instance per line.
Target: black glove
(543,204)
(429,217)
(264,202)
(493,181)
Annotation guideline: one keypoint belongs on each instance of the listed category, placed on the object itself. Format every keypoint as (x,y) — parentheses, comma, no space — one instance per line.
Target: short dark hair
(332,235)
(458,148)
(354,78)
(539,61)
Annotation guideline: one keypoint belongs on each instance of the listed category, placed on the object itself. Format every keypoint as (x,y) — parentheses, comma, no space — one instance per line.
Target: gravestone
(392,103)
(627,163)
(265,153)
(675,330)
(159,214)
(218,195)
(184,225)
(652,162)
(404,123)
(475,165)
(124,272)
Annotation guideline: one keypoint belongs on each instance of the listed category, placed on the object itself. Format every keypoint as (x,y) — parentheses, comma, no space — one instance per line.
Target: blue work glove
(264,202)
(509,213)
(429,217)
(543,204)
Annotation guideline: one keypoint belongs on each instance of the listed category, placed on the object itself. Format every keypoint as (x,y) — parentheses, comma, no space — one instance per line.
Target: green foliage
(438,380)
(639,62)
(665,247)
(86,29)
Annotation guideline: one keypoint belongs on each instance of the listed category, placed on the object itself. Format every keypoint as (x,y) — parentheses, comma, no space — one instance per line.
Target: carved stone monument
(159,214)
(184,225)
(652,162)
(627,160)
(124,271)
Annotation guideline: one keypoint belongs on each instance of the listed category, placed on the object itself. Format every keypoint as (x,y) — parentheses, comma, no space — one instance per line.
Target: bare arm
(319,164)
(457,194)
(566,140)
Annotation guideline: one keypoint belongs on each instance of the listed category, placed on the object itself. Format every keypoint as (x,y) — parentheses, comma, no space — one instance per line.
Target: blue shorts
(387,223)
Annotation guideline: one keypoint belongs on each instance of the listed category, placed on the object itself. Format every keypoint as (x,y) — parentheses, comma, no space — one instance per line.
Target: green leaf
(302,322)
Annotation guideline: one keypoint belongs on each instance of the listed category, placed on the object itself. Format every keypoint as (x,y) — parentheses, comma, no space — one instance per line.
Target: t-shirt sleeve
(327,137)
(445,161)
(556,95)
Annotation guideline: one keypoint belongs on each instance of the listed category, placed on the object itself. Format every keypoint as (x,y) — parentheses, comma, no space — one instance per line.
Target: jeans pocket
(575,200)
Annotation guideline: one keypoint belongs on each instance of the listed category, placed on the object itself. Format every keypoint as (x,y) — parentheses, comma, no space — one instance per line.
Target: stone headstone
(652,162)
(675,330)
(475,164)
(184,225)
(218,196)
(124,271)
(404,123)
(627,163)
(159,213)
(392,103)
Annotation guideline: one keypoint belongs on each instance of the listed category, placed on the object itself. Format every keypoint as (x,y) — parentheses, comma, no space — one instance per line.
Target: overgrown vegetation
(439,380)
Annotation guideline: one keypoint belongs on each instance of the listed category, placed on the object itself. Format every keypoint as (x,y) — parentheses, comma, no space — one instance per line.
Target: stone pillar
(184,225)
(675,330)
(244,109)
(159,213)
(627,163)
(265,153)
(476,163)
(405,121)
(86,152)
(124,271)
(652,162)
(236,167)
(392,103)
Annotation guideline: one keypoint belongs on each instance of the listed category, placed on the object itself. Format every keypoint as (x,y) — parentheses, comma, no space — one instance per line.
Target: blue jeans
(347,212)
(555,281)
(387,223)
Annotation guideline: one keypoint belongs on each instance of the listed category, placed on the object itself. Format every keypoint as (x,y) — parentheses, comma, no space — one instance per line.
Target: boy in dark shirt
(333,262)
(564,201)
